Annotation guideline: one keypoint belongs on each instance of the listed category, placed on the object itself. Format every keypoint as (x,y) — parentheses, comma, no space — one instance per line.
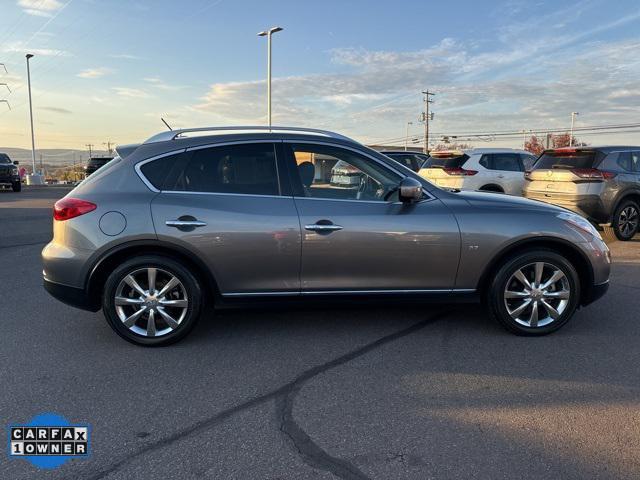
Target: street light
(268,33)
(33,142)
(406,139)
(573,116)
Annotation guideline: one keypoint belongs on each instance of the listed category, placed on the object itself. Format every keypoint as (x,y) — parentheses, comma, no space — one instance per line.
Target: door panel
(381,246)
(250,243)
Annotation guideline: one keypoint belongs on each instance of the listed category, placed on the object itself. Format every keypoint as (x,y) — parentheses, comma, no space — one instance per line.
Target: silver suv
(601,183)
(229,216)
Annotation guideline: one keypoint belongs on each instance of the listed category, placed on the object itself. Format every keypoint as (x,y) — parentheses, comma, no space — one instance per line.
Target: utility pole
(89,146)
(425,117)
(406,139)
(33,141)
(108,145)
(573,116)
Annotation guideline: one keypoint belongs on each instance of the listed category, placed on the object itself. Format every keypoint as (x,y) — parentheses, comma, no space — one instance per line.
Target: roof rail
(173,134)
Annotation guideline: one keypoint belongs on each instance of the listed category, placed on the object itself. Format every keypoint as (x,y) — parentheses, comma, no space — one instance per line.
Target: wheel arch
(492,187)
(110,259)
(578,259)
(627,195)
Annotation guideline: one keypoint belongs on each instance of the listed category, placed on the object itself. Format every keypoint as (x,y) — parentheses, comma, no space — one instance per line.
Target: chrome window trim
(378,161)
(211,145)
(347,292)
(157,157)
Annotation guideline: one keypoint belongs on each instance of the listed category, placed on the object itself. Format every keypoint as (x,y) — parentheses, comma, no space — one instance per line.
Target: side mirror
(410,190)
(16,163)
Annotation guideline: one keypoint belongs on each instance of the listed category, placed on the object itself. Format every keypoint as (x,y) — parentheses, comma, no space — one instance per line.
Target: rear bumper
(589,206)
(76,297)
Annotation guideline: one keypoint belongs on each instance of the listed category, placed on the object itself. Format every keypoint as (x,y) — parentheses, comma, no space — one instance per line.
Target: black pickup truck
(9,176)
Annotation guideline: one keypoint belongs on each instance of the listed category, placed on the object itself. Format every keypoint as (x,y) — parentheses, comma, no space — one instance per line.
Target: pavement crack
(284,397)
(311,452)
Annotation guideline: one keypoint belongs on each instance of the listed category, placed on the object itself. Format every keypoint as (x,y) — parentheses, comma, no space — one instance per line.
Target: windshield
(565,159)
(4,158)
(445,161)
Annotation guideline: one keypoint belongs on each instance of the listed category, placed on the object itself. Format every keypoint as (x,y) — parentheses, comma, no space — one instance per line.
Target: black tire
(495,294)
(626,220)
(16,186)
(189,288)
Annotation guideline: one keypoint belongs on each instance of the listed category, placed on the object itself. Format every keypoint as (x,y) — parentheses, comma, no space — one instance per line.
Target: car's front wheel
(16,186)
(152,300)
(534,293)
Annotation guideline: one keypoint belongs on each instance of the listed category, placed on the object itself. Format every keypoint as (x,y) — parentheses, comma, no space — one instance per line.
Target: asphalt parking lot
(393,393)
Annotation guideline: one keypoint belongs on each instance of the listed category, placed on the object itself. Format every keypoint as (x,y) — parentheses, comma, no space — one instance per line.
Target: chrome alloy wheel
(151,302)
(628,221)
(537,294)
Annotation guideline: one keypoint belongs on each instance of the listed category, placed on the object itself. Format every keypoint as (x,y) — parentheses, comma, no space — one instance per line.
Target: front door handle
(324,227)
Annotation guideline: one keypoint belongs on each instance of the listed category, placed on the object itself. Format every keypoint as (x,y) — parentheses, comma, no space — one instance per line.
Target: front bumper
(9,179)
(595,292)
(76,297)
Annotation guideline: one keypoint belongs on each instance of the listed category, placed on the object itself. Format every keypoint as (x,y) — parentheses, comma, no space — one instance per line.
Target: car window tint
(406,160)
(245,169)
(505,161)
(335,173)
(528,161)
(484,161)
(635,161)
(624,161)
(157,170)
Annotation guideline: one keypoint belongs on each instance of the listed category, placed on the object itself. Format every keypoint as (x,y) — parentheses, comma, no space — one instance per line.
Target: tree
(564,139)
(534,145)
(451,146)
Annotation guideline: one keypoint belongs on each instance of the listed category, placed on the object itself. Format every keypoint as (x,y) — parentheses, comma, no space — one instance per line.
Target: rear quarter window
(156,171)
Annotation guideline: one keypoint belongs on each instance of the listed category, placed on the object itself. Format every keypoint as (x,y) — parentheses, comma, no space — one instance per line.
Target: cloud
(21,47)
(161,85)
(56,110)
(40,8)
(125,56)
(95,72)
(491,90)
(130,92)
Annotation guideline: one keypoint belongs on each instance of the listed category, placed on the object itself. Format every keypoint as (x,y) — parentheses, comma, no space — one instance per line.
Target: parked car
(600,183)
(486,169)
(412,160)
(94,163)
(9,174)
(234,216)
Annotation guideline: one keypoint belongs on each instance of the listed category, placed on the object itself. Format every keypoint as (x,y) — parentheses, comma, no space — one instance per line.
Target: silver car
(228,216)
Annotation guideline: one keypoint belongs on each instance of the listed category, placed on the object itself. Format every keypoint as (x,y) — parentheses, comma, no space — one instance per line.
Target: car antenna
(164,121)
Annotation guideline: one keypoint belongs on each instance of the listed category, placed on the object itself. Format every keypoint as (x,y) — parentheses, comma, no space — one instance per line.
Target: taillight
(593,173)
(459,172)
(68,208)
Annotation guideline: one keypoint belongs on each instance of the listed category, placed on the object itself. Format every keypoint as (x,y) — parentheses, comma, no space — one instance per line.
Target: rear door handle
(184,223)
(326,228)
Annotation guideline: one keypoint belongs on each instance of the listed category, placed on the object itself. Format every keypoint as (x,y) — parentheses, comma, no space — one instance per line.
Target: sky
(108,70)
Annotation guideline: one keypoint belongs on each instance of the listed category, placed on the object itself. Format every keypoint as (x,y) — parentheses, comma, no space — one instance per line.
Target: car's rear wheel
(534,293)
(16,186)
(152,300)
(626,220)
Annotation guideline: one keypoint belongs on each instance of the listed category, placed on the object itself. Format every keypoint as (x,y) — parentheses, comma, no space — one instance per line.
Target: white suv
(487,169)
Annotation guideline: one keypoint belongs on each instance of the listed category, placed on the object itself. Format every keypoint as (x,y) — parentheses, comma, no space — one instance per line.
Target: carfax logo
(48,440)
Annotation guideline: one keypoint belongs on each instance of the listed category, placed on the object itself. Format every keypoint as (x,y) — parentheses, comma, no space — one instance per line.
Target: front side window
(248,169)
(340,174)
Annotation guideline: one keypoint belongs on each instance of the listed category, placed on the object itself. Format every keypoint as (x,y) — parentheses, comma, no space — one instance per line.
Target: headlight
(579,222)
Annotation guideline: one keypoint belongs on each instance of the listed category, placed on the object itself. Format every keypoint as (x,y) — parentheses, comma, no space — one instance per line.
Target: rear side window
(509,162)
(157,170)
(445,161)
(245,169)
(527,161)
(567,160)
(629,161)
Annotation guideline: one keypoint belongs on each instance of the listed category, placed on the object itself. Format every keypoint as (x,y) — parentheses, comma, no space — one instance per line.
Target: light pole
(268,33)
(406,139)
(33,141)
(573,116)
